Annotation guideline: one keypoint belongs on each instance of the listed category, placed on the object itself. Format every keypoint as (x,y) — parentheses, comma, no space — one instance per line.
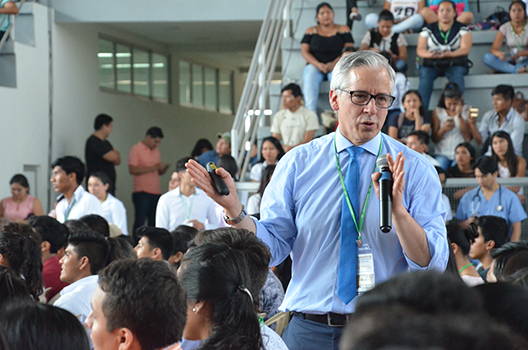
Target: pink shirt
(16,211)
(144,157)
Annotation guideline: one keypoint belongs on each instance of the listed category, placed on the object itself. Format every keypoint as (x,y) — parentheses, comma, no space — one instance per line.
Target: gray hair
(367,58)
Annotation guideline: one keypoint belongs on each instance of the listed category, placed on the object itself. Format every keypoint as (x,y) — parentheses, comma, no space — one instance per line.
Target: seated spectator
(29,325)
(400,88)
(227,162)
(492,234)
(501,256)
(321,47)
(464,158)
(418,141)
(54,236)
(503,117)
(19,250)
(431,12)
(414,118)
(128,292)
(201,146)
(490,198)
(7,8)
(450,124)
(461,241)
(96,223)
(515,58)
(223,146)
(113,209)
(21,205)
(174,181)
(444,47)
(73,202)
(384,39)
(182,237)
(294,124)
(186,204)
(154,243)
(270,153)
(406,15)
(212,274)
(12,288)
(510,164)
(253,206)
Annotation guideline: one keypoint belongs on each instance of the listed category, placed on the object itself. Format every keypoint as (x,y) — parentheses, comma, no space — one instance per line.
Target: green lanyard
(515,35)
(69,210)
(362,217)
(187,210)
(446,35)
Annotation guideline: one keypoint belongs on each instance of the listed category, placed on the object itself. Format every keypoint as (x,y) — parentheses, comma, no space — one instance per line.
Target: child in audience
(414,118)
(515,32)
(430,12)
(405,12)
(384,39)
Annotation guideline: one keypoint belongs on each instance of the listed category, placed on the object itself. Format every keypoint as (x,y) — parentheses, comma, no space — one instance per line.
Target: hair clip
(245,290)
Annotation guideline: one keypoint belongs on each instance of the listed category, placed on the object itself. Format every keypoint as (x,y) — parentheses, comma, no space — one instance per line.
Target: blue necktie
(346,278)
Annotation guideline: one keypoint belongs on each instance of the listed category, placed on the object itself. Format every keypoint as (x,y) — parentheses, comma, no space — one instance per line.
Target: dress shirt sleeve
(162,213)
(517,134)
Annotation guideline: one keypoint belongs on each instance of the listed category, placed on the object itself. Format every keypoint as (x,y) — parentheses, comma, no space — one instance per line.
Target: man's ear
(454,246)
(155,254)
(84,263)
(490,245)
(334,100)
(45,246)
(126,339)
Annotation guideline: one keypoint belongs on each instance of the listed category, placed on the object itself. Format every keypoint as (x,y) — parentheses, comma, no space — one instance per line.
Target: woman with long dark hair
(461,241)
(21,204)
(221,310)
(510,164)
(271,152)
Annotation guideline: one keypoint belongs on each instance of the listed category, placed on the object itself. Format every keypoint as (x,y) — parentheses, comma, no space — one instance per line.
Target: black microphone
(218,182)
(385,193)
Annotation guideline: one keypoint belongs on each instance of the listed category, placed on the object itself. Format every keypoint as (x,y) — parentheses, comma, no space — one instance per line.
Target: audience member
(182,237)
(73,201)
(154,243)
(201,146)
(490,198)
(406,15)
(501,255)
(223,146)
(418,141)
(137,305)
(227,162)
(12,287)
(186,204)
(96,223)
(492,234)
(515,33)
(19,250)
(444,47)
(121,249)
(295,124)
(29,325)
(253,204)
(415,118)
(321,48)
(100,154)
(502,117)
(113,209)
(7,8)
(75,226)
(510,164)
(461,242)
(21,205)
(54,236)
(464,158)
(174,181)
(432,13)
(270,153)
(383,38)
(450,124)
(145,165)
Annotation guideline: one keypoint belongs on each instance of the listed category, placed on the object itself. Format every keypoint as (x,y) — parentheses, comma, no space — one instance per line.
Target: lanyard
(69,210)
(515,35)
(187,210)
(362,217)
(446,35)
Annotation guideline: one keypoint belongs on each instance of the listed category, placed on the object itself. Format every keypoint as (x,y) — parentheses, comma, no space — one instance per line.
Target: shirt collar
(372,146)
(82,282)
(509,115)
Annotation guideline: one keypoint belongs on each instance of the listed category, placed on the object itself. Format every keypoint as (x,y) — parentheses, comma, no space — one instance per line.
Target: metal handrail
(255,95)
(6,35)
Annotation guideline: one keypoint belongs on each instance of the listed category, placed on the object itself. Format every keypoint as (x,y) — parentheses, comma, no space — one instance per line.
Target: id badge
(365,272)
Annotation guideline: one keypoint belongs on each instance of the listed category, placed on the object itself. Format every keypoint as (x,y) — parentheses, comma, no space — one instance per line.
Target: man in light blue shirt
(490,198)
(301,208)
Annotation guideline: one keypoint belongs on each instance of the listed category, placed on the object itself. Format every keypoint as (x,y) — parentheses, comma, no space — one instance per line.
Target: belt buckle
(330,324)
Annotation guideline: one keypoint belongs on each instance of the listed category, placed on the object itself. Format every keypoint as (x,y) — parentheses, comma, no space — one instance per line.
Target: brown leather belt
(331,319)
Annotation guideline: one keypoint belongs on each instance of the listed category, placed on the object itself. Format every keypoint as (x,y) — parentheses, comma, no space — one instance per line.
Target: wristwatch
(236,220)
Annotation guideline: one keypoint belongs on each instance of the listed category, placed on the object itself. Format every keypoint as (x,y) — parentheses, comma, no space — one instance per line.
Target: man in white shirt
(294,124)
(418,141)
(74,202)
(187,205)
(502,117)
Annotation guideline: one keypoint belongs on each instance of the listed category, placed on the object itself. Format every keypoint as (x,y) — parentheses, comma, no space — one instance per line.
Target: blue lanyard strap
(69,209)
(362,217)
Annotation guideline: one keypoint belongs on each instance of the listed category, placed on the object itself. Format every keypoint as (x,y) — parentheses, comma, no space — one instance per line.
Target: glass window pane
(141,72)
(197,85)
(160,77)
(210,88)
(105,57)
(225,91)
(185,82)
(124,76)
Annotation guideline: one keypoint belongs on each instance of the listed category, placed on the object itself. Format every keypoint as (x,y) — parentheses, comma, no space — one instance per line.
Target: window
(129,69)
(205,87)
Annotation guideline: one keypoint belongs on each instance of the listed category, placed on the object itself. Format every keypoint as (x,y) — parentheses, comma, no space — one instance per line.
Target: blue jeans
(414,22)
(304,334)
(496,63)
(145,209)
(312,78)
(401,66)
(428,75)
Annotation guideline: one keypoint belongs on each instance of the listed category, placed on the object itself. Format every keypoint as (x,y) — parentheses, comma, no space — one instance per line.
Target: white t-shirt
(253,204)
(403,8)
(385,44)
(446,146)
(114,212)
(175,209)
(82,203)
(292,126)
(256,171)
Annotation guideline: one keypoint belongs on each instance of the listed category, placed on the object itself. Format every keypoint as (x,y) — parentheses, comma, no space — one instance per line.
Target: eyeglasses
(362,98)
